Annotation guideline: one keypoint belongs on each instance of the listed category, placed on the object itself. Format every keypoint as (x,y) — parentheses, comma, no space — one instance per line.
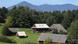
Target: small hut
(55,38)
(58,28)
(40,28)
(21,34)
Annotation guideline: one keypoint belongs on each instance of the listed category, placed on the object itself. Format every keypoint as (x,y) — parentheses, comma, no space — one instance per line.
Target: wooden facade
(40,28)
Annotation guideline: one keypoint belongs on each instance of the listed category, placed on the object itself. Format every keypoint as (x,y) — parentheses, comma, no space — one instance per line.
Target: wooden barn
(40,28)
(55,38)
(58,28)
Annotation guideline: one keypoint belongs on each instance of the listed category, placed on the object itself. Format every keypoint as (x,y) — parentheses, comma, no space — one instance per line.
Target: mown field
(31,39)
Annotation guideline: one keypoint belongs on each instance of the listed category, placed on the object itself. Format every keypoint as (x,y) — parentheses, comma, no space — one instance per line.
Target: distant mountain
(47,7)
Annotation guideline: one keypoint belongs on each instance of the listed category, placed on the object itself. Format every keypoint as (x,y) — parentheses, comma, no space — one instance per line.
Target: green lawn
(32,37)
(1,27)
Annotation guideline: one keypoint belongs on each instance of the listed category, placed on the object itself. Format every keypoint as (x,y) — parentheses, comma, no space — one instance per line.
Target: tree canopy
(73,33)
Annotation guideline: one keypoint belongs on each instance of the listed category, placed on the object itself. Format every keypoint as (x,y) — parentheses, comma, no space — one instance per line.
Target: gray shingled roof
(43,37)
(54,37)
(59,27)
(13,29)
(58,38)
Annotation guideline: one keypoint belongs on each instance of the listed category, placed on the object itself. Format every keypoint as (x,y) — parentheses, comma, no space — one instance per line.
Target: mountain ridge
(47,7)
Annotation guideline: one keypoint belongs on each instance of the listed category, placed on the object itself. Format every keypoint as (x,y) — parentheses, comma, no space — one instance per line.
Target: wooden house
(40,28)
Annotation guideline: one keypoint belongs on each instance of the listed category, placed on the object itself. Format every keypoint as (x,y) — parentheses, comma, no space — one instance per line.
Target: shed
(55,38)
(40,27)
(57,28)
(21,34)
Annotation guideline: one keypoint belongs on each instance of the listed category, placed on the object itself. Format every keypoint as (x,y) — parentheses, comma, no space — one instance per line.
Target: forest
(26,17)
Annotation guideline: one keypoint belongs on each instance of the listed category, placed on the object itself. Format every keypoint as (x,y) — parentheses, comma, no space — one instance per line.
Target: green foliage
(5,31)
(9,21)
(20,17)
(6,39)
(68,18)
(25,17)
(73,33)
(3,12)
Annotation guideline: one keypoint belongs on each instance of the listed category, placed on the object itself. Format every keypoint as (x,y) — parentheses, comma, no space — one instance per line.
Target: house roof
(58,38)
(40,26)
(43,37)
(21,33)
(13,29)
(59,27)
(54,37)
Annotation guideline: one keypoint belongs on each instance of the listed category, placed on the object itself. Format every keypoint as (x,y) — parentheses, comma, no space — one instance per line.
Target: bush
(4,31)
(73,33)
(6,39)
(7,32)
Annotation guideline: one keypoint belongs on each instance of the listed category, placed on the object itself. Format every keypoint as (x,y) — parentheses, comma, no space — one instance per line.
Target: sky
(8,3)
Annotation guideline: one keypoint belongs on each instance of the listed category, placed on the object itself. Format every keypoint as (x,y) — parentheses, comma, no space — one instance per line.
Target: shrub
(6,39)
(7,32)
(73,33)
